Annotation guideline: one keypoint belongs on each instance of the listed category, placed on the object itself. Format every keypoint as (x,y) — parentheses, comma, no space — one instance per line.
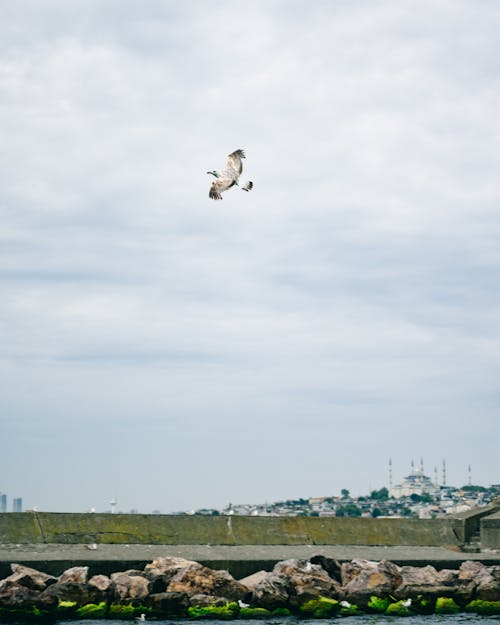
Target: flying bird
(228,177)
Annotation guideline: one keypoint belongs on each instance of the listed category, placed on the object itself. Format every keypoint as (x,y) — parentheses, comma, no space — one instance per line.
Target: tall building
(416,483)
(17,504)
(3,502)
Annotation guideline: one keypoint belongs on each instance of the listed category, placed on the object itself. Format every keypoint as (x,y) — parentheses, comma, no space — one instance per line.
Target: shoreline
(316,587)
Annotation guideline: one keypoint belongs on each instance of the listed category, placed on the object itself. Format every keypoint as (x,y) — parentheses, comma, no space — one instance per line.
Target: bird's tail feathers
(214,194)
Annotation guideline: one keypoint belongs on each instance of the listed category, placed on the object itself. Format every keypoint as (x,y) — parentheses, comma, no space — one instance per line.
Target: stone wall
(471,520)
(490,531)
(69,528)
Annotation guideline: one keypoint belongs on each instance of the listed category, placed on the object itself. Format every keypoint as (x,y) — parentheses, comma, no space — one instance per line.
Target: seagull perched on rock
(228,177)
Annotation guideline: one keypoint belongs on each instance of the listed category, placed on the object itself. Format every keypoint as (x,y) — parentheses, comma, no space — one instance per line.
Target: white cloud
(352,295)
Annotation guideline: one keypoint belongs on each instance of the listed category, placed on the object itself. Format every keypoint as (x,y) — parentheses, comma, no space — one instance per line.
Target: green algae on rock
(446,605)
(486,608)
(66,609)
(399,608)
(255,613)
(321,607)
(92,610)
(227,611)
(377,604)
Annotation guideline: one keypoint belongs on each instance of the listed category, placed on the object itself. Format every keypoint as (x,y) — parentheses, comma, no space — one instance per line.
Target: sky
(176,353)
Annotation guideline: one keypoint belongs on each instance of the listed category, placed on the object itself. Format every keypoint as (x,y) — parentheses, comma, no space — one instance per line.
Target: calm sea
(371,619)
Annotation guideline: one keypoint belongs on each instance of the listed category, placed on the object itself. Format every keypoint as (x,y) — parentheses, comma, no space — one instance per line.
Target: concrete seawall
(490,531)
(53,542)
(68,528)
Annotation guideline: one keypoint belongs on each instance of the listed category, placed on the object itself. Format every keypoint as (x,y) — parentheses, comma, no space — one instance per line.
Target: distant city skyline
(113,504)
(16,506)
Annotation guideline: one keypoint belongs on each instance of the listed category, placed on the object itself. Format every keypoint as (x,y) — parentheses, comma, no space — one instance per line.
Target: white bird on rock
(228,177)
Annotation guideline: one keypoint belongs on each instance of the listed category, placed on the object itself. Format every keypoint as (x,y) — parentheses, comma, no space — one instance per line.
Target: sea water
(369,619)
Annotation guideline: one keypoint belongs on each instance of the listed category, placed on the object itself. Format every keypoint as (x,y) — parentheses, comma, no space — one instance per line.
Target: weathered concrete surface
(490,532)
(469,522)
(238,560)
(67,528)
(242,545)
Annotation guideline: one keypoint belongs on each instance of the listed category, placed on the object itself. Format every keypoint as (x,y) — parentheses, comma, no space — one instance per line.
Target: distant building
(416,483)
(3,502)
(17,504)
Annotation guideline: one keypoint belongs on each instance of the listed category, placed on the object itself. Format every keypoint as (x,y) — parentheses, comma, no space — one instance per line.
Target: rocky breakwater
(319,587)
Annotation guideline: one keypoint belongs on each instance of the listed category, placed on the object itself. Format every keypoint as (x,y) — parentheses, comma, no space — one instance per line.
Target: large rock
(488,589)
(448,577)
(76,574)
(495,571)
(269,590)
(363,578)
(98,587)
(169,566)
(306,581)
(158,581)
(170,603)
(18,597)
(72,586)
(252,580)
(470,575)
(100,582)
(424,581)
(200,580)
(162,570)
(30,578)
(331,566)
(486,580)
(69,591)
(126,588)
(488,583)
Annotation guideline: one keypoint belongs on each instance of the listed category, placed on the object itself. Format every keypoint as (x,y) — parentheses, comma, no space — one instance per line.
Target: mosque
(416,483)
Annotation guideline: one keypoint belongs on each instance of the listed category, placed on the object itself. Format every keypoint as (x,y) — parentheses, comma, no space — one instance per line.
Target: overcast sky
(175,352)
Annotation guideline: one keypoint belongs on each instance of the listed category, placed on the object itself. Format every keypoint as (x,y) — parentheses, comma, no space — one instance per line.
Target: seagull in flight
(228,177)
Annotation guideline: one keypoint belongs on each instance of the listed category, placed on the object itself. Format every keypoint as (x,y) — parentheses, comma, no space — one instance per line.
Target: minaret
(412,466)
(444,472)
(390,475)
(470,475)
(435,475)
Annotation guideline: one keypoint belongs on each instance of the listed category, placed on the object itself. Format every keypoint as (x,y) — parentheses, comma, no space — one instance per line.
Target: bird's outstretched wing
(234,161)
(218,186)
